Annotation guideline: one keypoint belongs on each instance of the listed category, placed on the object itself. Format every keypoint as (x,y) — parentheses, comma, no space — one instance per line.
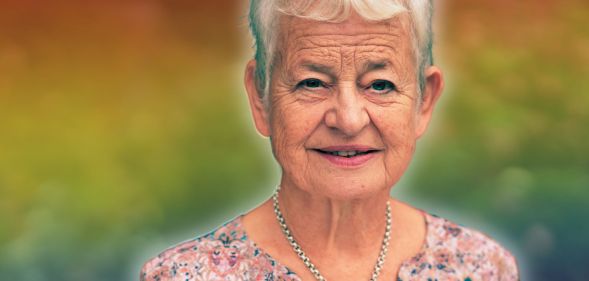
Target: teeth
(345,153)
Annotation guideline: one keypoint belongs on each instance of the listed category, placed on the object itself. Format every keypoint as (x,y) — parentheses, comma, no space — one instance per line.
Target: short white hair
(264,17)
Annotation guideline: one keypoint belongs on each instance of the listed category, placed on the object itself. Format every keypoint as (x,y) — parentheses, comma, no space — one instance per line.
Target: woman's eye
(311,83)
(382,86)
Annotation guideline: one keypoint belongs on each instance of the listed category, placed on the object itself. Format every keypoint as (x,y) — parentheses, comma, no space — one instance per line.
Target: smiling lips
(347,156)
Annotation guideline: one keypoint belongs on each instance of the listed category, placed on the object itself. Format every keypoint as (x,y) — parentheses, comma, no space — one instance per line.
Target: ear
(255,101)
(434,84)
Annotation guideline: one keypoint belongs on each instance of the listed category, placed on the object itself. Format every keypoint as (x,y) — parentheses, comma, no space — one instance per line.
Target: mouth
(346,153)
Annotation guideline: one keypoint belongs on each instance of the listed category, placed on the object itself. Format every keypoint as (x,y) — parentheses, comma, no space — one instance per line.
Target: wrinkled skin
(341,84)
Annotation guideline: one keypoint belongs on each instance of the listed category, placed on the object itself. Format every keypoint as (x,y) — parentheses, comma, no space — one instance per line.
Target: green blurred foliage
(511,145)
(124,129)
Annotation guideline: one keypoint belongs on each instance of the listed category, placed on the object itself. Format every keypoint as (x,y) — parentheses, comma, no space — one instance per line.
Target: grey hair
(264,17)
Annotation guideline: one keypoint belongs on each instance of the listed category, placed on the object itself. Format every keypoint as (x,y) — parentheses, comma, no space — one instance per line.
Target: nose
(347,114)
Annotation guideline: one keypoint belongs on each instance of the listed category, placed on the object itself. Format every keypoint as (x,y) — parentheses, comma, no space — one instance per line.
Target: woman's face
(344,110)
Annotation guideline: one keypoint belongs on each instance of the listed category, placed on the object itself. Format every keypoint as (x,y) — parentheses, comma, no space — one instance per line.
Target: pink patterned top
(450,252)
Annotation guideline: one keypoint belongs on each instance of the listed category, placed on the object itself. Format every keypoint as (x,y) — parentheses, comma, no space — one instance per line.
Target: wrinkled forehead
(298,33)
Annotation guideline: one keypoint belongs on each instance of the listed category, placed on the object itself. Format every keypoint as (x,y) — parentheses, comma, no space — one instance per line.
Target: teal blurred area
(124,130)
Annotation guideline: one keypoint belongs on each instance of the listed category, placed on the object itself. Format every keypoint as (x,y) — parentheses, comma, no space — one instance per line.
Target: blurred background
(124,130)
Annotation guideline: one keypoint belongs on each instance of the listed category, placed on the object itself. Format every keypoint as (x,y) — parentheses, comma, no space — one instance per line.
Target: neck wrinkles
(327,227)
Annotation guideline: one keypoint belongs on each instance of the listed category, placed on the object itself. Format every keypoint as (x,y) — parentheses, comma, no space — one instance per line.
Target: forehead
(299,34)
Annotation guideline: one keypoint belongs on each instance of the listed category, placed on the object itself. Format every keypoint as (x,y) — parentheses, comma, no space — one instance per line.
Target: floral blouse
(450,252)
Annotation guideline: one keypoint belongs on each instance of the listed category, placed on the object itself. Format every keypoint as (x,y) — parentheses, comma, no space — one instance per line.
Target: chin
(346,188)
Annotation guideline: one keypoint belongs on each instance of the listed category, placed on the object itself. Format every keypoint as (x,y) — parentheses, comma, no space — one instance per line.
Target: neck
(327,227)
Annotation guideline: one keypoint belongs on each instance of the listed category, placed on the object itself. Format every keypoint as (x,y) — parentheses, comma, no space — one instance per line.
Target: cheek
(292,123)
(397,131)
(398,134)
(396,126)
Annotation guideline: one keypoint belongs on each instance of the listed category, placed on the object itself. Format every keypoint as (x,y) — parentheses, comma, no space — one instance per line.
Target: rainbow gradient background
(124,129)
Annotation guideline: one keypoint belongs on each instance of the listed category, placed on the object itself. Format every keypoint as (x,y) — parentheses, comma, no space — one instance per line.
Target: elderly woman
(343,89)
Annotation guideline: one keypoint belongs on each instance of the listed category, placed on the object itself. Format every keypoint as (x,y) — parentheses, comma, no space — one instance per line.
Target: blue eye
(382,86)
(311,83)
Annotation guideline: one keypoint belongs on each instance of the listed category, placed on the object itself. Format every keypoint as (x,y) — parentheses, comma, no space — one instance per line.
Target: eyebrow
(316,67)
(375,65)
(329,71)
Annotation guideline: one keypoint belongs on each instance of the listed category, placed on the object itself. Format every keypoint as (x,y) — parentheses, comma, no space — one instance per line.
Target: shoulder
(191,257)
(223,254)
(460,252)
